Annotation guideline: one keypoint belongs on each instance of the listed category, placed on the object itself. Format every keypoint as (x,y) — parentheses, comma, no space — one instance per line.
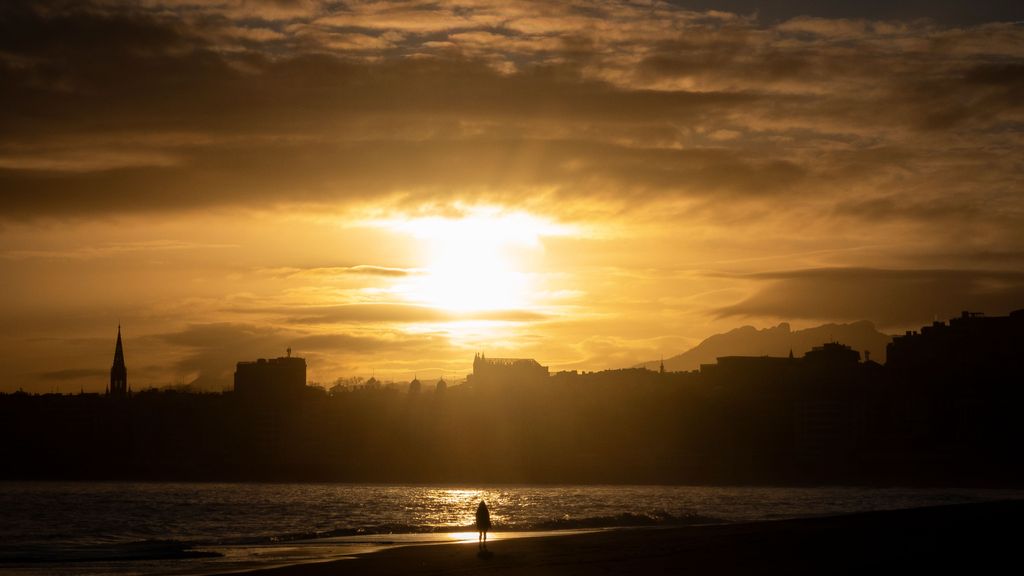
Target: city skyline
(117,384)
(730,346)
(941,409)
(391,187)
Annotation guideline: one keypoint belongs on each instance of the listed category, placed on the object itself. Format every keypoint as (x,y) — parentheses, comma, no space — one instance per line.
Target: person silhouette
(483,523)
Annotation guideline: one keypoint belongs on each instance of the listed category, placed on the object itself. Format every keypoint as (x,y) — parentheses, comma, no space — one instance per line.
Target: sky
(389,187)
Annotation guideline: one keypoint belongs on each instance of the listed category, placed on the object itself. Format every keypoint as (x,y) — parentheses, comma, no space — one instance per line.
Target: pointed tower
(118,372)
(661,369)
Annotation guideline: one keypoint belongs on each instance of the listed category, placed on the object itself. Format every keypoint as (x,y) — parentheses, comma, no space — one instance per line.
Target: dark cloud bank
(893,298)
(153,107)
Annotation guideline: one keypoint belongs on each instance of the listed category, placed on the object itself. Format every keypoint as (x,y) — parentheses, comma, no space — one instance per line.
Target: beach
(974,538)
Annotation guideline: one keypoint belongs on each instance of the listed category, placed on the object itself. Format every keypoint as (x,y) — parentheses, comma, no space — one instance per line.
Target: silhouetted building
(415,386)
(761,372)
(491,372)
(737,363)
(832,354)
(828,355)
(971,342)
(960,384)
(118,371)
(276,377)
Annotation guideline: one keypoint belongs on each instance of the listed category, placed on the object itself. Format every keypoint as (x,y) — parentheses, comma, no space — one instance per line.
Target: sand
(968,538)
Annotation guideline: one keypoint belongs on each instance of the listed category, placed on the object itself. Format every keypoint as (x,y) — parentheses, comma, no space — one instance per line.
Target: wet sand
(969,538)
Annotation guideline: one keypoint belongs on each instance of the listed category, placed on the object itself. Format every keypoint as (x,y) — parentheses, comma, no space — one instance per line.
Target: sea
(114,528)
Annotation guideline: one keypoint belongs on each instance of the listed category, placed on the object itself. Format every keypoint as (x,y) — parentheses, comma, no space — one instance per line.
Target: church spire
(118,371)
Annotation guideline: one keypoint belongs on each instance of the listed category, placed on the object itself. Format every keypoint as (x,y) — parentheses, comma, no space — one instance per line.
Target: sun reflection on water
(454,510)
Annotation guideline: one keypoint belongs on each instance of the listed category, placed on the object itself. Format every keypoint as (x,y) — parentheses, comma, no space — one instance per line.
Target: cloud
(416,17)
(110,250)
(211,350)
(948,13)
(110,108)
(384,313)
(395,345)
(360,269)
(73,374)
(402,172)
(891,298)
(412,104)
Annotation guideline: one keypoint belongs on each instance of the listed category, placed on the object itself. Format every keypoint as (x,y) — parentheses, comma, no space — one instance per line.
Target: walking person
(483,523)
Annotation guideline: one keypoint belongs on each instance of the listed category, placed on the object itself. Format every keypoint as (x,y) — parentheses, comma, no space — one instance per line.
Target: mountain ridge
(777,340)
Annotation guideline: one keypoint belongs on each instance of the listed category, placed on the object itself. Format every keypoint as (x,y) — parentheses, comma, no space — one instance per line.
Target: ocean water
(184,528)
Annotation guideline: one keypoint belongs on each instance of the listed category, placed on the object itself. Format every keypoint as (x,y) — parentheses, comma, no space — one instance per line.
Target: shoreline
(970,536)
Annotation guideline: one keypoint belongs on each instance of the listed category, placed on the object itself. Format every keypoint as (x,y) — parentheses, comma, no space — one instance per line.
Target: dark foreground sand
(968,539)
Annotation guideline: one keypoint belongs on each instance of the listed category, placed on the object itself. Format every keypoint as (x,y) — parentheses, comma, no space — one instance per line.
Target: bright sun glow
(479,262)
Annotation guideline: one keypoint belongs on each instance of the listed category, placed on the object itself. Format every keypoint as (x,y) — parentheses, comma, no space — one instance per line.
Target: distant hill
(777,341)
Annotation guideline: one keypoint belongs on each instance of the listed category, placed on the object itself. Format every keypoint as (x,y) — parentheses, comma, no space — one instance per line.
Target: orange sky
(389,187)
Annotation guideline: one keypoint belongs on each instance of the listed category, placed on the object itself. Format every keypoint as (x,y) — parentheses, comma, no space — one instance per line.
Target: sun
(482,261)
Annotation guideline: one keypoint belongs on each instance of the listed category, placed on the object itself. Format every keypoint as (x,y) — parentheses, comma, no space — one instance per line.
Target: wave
(176,549)
(122,551)
(623,520)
